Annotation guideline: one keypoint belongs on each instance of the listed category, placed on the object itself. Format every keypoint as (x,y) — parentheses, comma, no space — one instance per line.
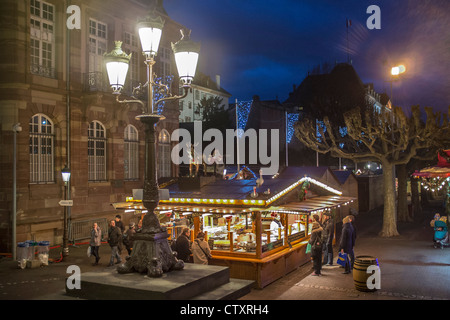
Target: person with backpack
(200,249)
(316,248)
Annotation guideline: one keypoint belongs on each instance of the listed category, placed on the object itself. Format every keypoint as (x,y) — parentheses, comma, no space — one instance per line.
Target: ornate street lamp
(151,251)
(65,172)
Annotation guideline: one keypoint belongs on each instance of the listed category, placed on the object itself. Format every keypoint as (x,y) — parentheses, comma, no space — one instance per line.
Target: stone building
(53,82)
(203,87)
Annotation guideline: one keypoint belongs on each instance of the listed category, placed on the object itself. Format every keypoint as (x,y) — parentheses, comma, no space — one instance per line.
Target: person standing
(182,245)
(200,249)
(119,224)
(128,239)
(347,243)
(114,237)
(316,248)
(96,240)
(327,239)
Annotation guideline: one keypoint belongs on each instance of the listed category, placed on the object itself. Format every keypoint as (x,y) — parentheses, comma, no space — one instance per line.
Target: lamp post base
(152,255)
(151,251)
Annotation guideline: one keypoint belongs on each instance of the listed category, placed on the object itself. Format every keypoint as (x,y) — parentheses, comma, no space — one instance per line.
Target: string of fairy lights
(242,113)
(160,94)
(435,184)
(292,118)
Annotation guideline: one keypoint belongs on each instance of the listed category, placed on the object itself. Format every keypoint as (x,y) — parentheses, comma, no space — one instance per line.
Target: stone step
(192,281)
(233,290)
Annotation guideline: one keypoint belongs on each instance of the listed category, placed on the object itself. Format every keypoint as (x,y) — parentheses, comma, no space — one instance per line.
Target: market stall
(260,235)
(437,178)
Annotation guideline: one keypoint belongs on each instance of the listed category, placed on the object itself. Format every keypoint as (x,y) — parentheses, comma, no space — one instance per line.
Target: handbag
(308,248)
(209,257)
(342,259)
(89,251)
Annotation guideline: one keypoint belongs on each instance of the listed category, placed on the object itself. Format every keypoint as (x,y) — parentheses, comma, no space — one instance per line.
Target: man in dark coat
(327,239)
(114,237)
(347,243)
(182,246)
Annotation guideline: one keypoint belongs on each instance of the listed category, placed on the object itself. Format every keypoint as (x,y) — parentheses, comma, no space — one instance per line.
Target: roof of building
(334,92)
(205,81)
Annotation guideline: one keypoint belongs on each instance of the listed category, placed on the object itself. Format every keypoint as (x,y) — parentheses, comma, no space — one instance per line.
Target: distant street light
(65,172)
(151,252)
(395,71)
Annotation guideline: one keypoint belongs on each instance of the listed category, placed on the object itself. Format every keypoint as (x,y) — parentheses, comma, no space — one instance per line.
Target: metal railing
(81,230)
(95,82)
(43,71)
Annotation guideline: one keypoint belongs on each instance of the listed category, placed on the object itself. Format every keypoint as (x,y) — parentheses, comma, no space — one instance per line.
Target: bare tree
(388,137)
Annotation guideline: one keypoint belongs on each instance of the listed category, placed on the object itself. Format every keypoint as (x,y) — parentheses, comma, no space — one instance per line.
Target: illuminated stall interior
(250,228)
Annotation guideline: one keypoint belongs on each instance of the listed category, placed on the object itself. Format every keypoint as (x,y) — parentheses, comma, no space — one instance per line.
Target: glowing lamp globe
(65,174)
(186,57)
(117,63)
(150,31)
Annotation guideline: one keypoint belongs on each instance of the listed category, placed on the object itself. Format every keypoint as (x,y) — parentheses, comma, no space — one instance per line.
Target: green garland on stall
(306,185)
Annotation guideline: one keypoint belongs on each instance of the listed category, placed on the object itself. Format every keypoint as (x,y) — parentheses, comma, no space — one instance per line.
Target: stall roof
(310,205)
(315,204)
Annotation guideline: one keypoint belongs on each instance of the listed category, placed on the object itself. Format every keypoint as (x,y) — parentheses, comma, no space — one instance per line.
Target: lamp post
(65,172)
(151,251)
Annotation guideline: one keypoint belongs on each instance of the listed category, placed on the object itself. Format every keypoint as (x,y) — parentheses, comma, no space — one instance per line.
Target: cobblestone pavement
(411,269)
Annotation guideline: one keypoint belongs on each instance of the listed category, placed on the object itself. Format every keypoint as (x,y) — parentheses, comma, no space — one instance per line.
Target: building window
(131,44)
(96,152)
(98,37)
(42,39)
(163,67)
(164,162)
(41,149)
(131,153)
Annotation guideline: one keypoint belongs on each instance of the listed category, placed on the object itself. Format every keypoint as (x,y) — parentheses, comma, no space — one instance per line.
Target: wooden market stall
(260,235)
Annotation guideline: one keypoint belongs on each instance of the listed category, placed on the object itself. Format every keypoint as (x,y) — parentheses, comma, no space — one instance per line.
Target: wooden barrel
(360,274)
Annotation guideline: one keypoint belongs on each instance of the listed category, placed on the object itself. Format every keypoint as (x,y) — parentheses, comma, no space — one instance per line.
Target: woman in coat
(316,248)
(96,240)
(200,249)
(327,239)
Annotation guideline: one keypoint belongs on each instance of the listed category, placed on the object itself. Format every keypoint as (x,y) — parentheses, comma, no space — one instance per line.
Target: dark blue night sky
(264,47)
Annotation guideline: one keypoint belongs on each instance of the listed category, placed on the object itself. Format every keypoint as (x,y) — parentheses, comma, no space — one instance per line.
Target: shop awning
(307,206)
(312,205)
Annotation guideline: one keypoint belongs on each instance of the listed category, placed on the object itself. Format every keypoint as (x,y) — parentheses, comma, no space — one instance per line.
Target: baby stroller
(440,235)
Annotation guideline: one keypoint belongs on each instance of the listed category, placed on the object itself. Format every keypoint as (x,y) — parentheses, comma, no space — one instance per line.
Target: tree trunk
(415,198)
(402,210)
(389,228)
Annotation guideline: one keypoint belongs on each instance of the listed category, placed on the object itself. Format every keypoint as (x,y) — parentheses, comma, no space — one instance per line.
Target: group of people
(199,248)
(321,242)
(117,239)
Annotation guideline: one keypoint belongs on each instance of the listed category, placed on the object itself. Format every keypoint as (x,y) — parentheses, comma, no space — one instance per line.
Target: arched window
(41,149)
(96,152)
(164,162)
(131,153)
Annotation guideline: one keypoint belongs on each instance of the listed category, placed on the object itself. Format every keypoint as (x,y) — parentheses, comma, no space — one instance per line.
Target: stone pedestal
(152,255)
